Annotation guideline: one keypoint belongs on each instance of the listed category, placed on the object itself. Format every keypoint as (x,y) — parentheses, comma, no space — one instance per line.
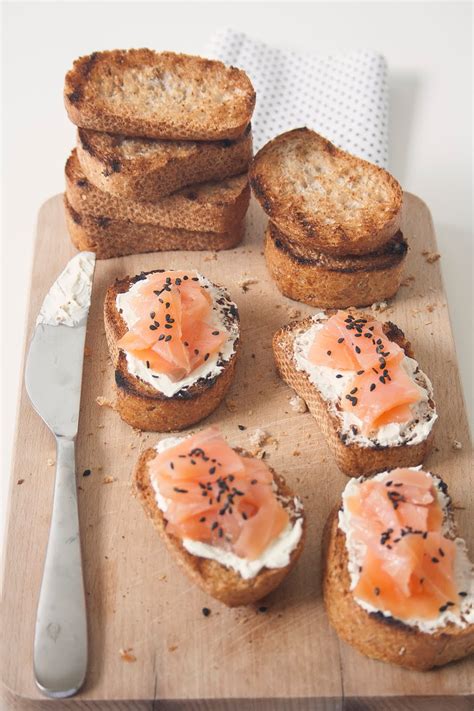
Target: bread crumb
(259,437)
(379,306)
(456,444)
(87,352)
(172,648)
(230,405)
(297,404)
(431,257)
(108,480)
(407,281)
(210,257)
(20,481)
(401,651)
(431,308)
(104,402)
(163,577)
(50,462)
(245,283)
(296,453)
(126,655)
(293,313)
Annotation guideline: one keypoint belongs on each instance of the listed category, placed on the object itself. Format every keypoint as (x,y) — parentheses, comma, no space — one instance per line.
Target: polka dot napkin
(342,96)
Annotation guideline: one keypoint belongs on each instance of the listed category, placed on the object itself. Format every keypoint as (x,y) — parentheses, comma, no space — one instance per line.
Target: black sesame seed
(241,427)
(167,339)
(377,591)
(86,472)
(372,387)
(180,491)
(206,611)
(435,560)
(202,519)
(328,352)
(357,349)
(338,375)
(215,333)
(262,608)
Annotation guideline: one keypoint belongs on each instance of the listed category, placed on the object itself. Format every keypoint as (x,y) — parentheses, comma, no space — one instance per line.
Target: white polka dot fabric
(342,96)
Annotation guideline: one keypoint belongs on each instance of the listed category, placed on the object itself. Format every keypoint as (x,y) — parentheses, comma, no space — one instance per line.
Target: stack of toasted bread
(163,147)
(334,237)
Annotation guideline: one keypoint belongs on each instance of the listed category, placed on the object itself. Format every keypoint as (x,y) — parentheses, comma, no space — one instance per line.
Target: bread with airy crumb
(116,238)
(323,197)
(140,404)
(207,207)
(138,92)
(352,458)
(375,635)
(146,169)
(220,582)
(332,281)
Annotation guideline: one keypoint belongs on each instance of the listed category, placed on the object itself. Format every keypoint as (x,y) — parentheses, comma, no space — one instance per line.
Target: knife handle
(60,647)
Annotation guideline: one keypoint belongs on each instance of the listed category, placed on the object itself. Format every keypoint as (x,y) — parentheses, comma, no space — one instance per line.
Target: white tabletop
(427,46)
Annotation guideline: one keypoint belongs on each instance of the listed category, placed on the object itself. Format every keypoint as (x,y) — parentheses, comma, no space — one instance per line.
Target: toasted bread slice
(147,170)
(374,634)
(220,582)
(353,458)
(139,92)
(207,207)
(330,281)
(323,197)
(116,238)
(143,406)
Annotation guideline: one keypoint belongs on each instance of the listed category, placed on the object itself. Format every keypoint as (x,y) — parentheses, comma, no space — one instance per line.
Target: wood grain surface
(138,600)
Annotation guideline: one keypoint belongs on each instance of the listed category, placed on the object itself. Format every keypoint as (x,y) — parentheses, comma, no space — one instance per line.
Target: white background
(428,48)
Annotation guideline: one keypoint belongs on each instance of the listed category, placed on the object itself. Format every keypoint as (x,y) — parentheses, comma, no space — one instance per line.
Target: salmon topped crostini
(360,380)
(395,538)
(225,509)
(173,336)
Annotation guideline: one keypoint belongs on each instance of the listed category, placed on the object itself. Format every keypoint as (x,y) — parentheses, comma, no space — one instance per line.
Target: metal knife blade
(53,377)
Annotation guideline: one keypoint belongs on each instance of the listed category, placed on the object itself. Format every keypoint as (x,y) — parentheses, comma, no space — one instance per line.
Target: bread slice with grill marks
(143,406)
(138,92)
(323,197)
(373,634)
(206,207)
(220,582)
(116,238)
(352,458)
(332,281)
(147,170)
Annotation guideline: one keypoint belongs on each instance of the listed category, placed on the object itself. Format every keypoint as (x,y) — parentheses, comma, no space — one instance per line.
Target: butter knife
(53,376)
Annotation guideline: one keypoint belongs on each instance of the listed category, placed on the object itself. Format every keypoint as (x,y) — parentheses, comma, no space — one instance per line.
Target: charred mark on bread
(75,96)
(392,254)
(87,64)
(103,222)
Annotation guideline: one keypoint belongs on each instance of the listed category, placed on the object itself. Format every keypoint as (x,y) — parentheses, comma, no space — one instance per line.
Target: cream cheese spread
(221,306)
(277,555)
(463,568)
(332,389)
(67,302)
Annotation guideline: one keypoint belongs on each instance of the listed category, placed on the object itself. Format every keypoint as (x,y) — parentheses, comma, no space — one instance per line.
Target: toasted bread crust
(328,281)
(222,583)
(115,238)
(351,458)
(323,197)
(144,169)
(207,207)
(377,636)
(141,405)
(139,92)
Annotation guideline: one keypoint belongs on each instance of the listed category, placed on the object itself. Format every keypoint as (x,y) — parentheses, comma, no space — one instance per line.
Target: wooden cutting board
(138,600)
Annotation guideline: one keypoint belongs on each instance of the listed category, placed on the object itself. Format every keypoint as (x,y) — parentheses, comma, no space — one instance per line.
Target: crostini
(398,584)
(231,522)
(360,381)
(333,281)
(174,339)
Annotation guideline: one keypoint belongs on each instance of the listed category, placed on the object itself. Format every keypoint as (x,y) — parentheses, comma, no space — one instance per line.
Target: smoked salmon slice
(408,565)
(217,496)
(381,391)
(173,331)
